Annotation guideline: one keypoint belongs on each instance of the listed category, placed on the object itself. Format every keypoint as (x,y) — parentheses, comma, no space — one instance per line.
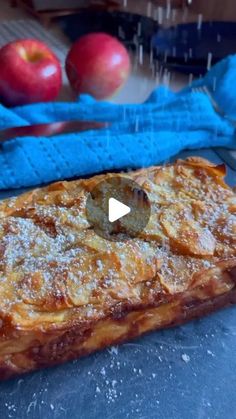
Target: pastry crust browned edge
(192,274)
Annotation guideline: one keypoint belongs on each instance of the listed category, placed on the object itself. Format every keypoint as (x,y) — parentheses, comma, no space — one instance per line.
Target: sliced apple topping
(185,234)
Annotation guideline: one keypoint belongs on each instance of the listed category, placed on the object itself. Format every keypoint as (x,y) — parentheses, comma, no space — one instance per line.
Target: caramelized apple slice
(185,234)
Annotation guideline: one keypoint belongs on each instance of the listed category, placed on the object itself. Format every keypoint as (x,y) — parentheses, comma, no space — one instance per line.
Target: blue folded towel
(140,135)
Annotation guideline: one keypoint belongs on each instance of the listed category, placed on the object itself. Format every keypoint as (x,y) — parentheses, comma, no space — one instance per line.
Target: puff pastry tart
(66,292)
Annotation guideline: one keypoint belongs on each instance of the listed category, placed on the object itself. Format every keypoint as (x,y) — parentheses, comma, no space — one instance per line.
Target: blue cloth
(140,135)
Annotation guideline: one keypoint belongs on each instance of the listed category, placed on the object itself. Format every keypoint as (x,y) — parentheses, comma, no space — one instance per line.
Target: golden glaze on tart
(66,292)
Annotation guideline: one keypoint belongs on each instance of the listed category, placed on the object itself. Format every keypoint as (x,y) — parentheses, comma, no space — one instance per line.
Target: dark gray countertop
(184,372)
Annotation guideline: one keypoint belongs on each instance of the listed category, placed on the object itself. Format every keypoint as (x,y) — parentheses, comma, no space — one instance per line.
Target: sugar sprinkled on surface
(185,358)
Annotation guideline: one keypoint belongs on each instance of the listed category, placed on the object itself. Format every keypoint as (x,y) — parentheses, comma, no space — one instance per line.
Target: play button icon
(117,208)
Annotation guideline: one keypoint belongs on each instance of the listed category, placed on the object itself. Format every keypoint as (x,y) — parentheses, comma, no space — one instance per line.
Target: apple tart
(66,292)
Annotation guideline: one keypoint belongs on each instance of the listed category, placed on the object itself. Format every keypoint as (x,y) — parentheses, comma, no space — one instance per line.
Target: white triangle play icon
(116,210)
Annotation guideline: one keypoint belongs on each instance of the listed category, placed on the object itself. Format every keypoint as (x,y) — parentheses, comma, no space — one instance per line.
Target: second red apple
(97,64)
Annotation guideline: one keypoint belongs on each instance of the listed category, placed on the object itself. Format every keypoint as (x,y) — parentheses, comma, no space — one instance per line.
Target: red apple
(97,64)
(29,72)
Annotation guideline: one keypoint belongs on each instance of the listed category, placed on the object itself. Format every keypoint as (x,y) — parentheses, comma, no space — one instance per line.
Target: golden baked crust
(66,292)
